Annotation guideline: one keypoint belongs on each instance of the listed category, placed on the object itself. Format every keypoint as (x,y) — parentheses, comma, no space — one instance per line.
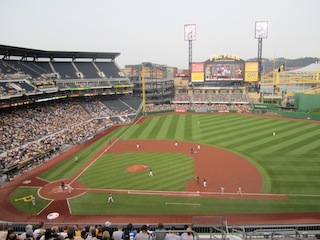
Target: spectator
(187,235)
(117,235)
(172,235)
(12,235)
(143,234)
(70,234)
(38,230)
(29,232)
(129,231)
(160,232)
(92,233)
(64,232)
(3,232)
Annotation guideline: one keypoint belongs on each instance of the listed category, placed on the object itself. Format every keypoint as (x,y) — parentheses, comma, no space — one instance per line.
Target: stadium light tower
(190,35)
(261,32)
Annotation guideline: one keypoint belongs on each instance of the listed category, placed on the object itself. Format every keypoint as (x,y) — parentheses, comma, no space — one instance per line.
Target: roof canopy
(8,51)
(310,68)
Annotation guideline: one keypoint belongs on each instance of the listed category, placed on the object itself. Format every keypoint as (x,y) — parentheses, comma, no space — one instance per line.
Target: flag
(281,68)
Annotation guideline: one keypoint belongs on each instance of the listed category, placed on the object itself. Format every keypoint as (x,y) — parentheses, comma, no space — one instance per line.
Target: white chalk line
(189,204)
(85,169)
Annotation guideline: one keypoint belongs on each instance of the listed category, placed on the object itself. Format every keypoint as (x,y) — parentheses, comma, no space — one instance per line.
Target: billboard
(197,72)
(189,32)
(261,29)
(251,73)
(224,68)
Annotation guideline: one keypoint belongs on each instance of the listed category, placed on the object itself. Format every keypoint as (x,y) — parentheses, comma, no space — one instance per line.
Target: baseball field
(278,173)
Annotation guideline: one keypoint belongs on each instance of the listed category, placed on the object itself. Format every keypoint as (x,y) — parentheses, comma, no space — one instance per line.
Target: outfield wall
(268,111)
(304,102)
(274,110)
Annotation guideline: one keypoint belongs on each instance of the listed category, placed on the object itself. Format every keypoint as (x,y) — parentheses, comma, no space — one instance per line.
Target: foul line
(189,204)
(94,160)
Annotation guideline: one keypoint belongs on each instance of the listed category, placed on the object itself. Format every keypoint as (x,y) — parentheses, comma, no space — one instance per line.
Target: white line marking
(189,204)
(85,169)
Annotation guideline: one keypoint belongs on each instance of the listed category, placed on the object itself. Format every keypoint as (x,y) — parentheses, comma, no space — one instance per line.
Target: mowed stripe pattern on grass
(171,172)
(275,156)
(288,162)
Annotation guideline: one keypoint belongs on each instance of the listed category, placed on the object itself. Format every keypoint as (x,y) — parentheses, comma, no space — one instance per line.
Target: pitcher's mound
(137,168)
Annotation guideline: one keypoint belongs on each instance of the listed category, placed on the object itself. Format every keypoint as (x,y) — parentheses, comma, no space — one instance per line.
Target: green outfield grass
(288,163)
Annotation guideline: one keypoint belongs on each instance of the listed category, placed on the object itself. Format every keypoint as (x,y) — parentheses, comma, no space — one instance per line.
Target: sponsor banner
(252,66)
(197,67)
(180,110)
(197,72)
(197,77)
(201,110)
(251,76)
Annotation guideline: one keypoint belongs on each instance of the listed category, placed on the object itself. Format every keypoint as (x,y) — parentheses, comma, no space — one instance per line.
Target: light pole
(190,35)
(261,31)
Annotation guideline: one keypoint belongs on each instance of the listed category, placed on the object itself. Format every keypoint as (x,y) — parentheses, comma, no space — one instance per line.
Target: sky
(153,31)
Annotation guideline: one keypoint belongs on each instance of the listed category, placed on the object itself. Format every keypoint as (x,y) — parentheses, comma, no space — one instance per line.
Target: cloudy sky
(153,31)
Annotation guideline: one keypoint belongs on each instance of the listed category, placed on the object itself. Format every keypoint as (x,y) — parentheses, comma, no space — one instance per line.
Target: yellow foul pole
(143,91)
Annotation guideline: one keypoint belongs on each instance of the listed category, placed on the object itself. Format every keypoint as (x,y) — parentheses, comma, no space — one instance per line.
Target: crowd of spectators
(241,108)
(239,98)
(200,98)
(98,110)
(211,98)
(35,134)
(97,232)
(218,98)
(183,97)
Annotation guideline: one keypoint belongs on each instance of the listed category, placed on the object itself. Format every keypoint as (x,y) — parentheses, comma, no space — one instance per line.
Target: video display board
(224,68)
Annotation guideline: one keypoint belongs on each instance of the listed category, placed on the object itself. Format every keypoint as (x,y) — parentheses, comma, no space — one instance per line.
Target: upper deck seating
(87,69)
(65,70)
(132,101)
(110,69)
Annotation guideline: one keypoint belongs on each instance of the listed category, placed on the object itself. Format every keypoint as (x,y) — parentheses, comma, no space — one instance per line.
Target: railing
(291,78)
(221,232)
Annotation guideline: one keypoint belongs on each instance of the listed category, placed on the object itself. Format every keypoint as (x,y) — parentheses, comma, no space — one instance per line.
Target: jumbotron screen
(224,71)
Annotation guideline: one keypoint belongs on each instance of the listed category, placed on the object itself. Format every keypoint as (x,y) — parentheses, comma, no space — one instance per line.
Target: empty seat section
(45,66)
(116,105)
(110,69)
(132,101)
(65,70)
(87,69)
(6,68)
(23,67)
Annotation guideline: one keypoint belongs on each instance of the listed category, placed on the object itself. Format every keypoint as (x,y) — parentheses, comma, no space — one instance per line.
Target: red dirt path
(219,167)
(137,168)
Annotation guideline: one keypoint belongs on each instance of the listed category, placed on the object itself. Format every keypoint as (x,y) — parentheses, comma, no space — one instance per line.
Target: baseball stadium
(86,143)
